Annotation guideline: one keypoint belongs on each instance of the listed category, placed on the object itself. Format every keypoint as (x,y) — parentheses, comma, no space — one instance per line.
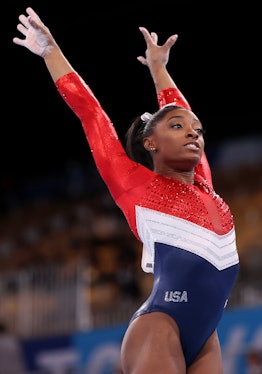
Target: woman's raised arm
(39,40)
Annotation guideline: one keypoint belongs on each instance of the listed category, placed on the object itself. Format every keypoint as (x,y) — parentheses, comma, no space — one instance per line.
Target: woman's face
(178,140)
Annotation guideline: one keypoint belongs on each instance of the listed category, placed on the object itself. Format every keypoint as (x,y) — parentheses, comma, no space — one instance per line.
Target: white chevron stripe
(153,226)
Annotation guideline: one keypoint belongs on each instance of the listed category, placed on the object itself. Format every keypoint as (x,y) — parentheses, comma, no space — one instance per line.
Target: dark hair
(139,130)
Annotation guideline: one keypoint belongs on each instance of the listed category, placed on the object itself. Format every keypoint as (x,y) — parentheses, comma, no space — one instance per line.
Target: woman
(164,187)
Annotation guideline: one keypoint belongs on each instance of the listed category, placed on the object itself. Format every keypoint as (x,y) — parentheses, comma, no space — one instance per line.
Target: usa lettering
(176,296)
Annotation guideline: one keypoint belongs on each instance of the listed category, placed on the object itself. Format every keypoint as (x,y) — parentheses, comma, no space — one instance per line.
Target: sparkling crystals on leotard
(189,202)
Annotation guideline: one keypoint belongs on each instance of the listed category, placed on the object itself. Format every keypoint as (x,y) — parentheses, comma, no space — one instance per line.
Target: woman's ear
(149,145)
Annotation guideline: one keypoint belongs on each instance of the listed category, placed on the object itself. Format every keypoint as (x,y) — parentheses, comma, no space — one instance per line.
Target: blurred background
(70,275)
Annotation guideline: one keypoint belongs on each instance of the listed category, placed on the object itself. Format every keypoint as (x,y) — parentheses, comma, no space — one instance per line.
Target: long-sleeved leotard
(187,230)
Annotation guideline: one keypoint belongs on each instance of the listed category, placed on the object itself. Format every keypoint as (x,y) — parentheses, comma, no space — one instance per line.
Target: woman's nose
(193,134)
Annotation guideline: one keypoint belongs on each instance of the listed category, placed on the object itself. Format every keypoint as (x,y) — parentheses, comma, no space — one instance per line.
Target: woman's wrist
(161,78)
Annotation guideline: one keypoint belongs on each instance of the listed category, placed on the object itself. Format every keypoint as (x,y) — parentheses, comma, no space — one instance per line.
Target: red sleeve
(118,171)
(172,96)
(175,96)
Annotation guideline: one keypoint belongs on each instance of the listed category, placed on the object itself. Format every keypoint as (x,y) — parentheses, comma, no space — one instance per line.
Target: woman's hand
(38,38)
(156,54)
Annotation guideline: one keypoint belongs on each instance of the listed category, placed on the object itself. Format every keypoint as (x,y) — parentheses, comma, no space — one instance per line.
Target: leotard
(187,230)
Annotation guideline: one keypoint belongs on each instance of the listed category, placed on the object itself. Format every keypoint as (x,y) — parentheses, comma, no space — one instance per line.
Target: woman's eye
(200,131)
(176,125)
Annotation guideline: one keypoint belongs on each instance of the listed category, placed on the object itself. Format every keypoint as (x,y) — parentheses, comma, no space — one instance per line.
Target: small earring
(153,149)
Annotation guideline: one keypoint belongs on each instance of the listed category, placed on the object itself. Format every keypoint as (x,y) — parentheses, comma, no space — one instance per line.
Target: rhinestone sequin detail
(185,201)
